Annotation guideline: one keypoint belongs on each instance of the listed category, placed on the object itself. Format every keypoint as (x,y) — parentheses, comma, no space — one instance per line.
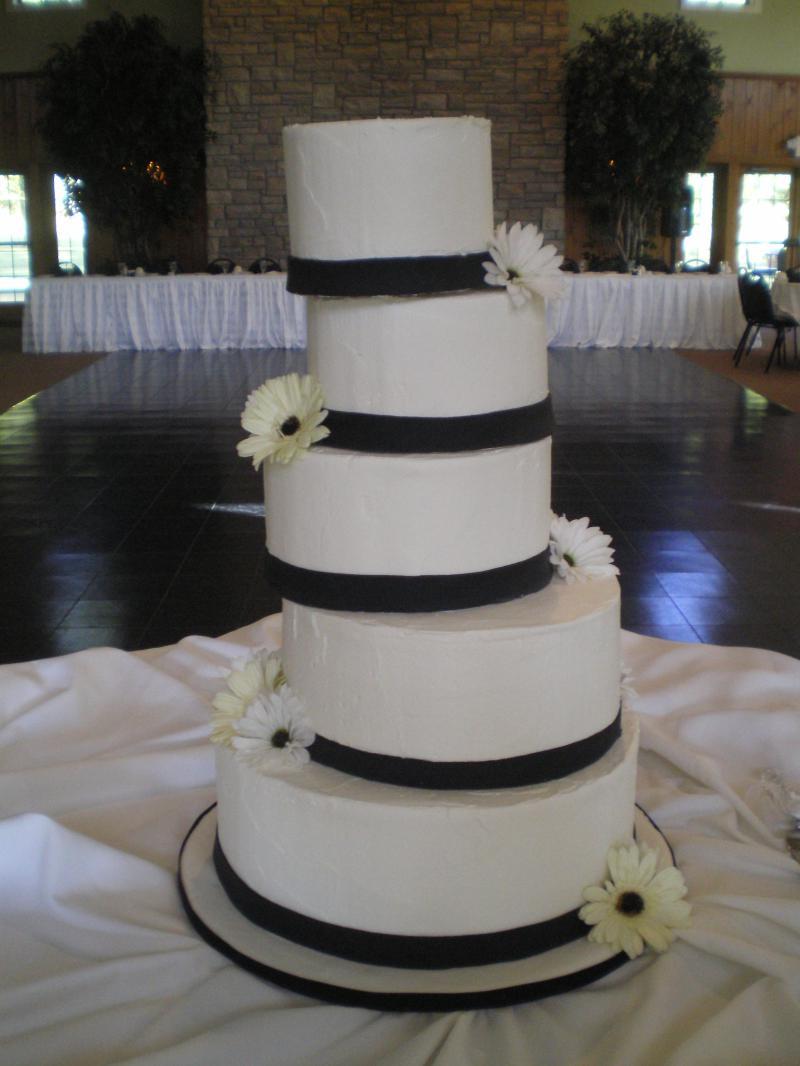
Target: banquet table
(180,312)
(786,296)
(700,311)
(196,311)
(105,763)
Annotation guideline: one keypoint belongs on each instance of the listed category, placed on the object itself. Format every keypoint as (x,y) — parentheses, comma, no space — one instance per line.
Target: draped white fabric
(185,312)
(195,311)
(786,296)
(104,764)
(652,311)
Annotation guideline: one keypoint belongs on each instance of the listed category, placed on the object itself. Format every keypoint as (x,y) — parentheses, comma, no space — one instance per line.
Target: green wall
(765,43)
(26,36)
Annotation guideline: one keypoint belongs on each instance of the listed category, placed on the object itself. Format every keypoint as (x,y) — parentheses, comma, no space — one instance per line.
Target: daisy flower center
(290,426)
(630,903)
(280,738)
(569,558)
(513,274)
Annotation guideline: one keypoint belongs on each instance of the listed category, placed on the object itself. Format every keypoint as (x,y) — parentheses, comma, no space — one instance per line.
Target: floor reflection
(126,517)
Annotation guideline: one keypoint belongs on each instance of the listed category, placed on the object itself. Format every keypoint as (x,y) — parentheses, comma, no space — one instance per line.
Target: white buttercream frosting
(359,513)
(479,684)
(409,861)
(487,683)
(436,356)
(389,187)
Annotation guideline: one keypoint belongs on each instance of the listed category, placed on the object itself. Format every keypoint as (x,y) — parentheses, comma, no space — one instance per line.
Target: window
(70,229)
(33,4)
(764,209)
(15,255)
(721,5)
(697,243)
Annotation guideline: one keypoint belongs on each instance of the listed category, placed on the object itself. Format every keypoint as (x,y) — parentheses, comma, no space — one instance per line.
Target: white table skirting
(186,312)
(105,763)
(191,312)
(786,297)
(696,311)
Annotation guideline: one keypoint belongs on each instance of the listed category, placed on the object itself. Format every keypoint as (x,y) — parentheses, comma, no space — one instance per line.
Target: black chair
(793,274)
(68,270)
(264,265)
(696,266)
(223,265)
(759,311)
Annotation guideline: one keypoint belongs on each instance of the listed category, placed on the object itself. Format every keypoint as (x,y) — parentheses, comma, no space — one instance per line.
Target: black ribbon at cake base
(393,276)
(392,949)
(408,594)
(514,772)
(405,434)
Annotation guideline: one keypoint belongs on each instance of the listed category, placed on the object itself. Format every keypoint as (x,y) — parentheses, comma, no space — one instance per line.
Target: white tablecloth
(700,311)
(186,312)
(95,314)
(104,764)
(786,297)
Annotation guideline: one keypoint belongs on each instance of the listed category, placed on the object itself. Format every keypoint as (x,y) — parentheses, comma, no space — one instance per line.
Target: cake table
(106,763)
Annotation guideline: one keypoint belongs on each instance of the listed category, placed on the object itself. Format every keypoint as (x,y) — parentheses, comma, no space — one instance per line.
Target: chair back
(264,265)
(756,300)
(223,265)
(696,266)
(67,270)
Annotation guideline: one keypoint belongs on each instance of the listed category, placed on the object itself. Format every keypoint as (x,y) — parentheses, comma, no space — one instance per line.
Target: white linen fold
(104,765)
(700,311)
(194,312)
(183,312)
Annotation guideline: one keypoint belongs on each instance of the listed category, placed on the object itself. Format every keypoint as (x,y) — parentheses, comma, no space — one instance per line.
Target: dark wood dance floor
(126,517)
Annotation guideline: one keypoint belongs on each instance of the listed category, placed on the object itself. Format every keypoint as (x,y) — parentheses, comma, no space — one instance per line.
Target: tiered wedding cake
(470,768)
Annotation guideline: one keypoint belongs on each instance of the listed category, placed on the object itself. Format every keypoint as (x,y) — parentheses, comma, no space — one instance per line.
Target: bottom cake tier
(325,976)
(324,854)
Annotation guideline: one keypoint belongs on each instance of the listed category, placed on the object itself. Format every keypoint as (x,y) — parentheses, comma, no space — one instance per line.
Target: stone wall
(315,61)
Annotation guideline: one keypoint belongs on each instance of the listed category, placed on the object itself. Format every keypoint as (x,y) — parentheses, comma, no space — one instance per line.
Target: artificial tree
(124,121)
(642,95)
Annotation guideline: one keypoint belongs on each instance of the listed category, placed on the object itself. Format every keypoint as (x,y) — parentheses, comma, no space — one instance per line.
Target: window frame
(715,200)
(751,7)
(794,191)
(18,293)
(62,238)
(16,6)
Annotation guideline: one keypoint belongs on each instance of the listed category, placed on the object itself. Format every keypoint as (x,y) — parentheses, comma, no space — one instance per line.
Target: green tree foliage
(124,121)
(643,96)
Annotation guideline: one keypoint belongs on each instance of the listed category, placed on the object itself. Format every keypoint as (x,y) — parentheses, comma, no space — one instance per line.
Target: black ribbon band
(513,772)
(398,276)
(359,432)
(408,594)
(392,949)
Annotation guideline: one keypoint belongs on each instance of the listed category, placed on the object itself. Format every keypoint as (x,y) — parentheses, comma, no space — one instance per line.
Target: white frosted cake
(447,764)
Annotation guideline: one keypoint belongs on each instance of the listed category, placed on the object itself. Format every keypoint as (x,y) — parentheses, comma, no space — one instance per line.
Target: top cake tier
(389,188)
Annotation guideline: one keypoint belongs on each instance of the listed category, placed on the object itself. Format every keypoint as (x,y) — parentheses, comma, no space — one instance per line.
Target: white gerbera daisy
(522,265)
(580,552)
(627,693)
(283,417)
(262,672)
(637,905)
(274,734)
